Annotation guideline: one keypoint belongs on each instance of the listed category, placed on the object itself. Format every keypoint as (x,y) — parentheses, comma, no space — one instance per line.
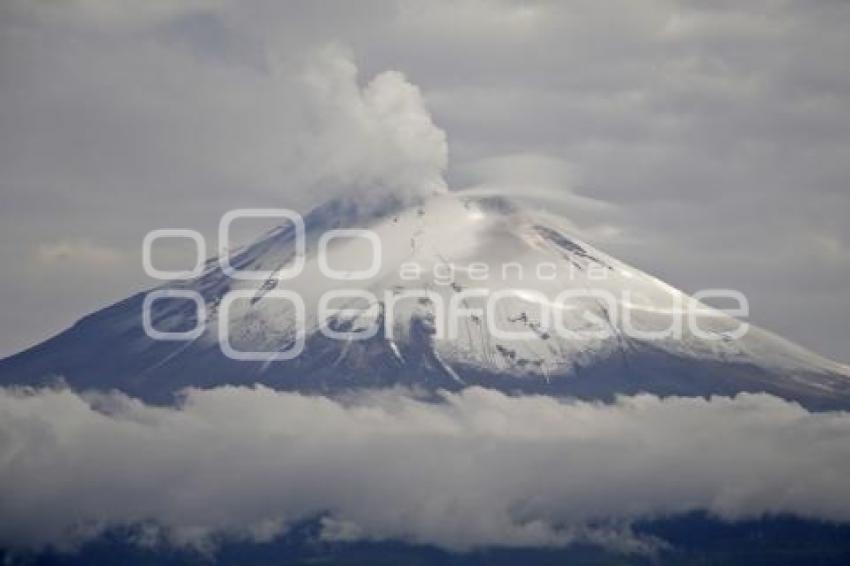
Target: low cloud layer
(476,468)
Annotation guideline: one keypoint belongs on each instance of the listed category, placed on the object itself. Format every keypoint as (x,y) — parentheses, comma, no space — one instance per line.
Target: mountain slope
(434,257)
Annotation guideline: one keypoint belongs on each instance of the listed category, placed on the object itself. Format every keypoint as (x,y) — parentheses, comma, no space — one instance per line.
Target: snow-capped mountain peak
(450,291)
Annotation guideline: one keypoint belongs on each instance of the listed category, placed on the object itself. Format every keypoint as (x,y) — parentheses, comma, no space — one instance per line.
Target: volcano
(420,318)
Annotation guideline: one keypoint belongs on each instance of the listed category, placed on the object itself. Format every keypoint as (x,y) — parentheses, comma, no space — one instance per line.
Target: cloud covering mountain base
(475,468)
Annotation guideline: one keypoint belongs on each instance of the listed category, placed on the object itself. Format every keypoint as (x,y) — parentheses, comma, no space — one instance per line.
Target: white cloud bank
(479,468)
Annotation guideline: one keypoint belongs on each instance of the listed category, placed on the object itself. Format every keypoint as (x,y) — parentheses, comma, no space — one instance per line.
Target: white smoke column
(478,468)
(376,140)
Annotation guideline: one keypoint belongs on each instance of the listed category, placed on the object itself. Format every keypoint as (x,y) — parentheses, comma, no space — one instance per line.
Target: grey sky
(715,136)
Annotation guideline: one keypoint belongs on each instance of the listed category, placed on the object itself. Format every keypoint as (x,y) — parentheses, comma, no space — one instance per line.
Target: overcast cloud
(477,468)
(706,143)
